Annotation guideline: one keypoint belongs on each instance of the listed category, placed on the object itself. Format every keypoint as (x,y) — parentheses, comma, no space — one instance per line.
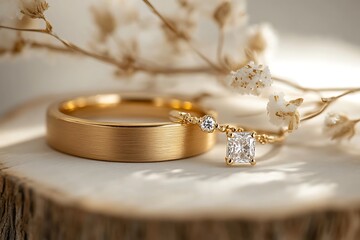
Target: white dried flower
(284,113)
(339,126)
(33,8)
(250,79)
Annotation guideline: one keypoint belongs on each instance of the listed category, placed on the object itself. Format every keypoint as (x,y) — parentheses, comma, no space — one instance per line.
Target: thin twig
(323,107)
(326,102)
(25,29)
(69,45)
(220,47)
(356,120)
(72,48)
(51,47)
(349,91)
(78,49)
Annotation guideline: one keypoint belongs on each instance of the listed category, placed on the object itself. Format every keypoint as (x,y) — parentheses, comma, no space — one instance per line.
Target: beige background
(307,173)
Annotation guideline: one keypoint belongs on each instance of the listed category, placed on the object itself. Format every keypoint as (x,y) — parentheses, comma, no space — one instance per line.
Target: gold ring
(74,127)
(240,147)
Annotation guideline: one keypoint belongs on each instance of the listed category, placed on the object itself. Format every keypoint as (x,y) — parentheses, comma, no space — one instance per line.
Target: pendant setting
(240,146)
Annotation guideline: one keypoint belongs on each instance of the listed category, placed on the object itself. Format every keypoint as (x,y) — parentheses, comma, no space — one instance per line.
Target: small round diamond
(208,124)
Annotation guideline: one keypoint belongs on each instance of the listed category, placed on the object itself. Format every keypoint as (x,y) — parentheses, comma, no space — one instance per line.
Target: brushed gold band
(72,128)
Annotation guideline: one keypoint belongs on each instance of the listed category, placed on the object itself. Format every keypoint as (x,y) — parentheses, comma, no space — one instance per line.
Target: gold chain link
(263,138)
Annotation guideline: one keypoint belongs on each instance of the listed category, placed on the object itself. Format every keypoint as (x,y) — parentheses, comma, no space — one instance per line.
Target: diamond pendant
(240,148)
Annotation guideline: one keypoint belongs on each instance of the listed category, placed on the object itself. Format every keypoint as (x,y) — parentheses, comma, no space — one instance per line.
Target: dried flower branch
(35,9)
(250,77)
(339,126)
(72,48)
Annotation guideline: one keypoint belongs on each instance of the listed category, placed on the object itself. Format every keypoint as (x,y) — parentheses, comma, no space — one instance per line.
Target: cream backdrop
(306,173)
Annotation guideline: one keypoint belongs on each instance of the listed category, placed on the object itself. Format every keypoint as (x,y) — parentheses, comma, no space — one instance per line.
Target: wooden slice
(307,188)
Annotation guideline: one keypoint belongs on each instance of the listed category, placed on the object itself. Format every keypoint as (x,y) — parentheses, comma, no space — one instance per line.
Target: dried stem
(324,106)
(326,102)
(356,120)
(212,69)
(220,47)
(48,46)
(72,48)
(68,44)
(25,29)
(183,37)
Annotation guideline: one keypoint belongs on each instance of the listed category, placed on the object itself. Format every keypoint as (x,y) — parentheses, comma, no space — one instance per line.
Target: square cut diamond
(241,147)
